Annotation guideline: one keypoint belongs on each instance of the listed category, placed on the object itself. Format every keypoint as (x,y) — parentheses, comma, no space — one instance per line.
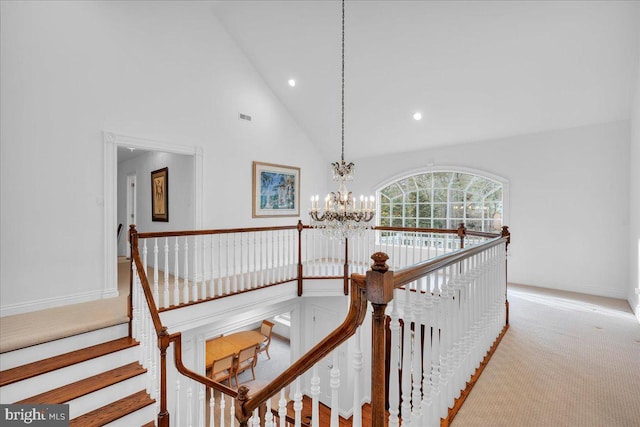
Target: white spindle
(222,407)
(357,368)
(156,292)
(406,355)
(212,405)
(201,406)
(334,383)
(234,286)
(185,280)
(227,272)
(241,269)
(194,290)
(165,296)
(315,395)
(268,417)
(189,407)
(282,409)
(176,283)
(394,380)
(297,404)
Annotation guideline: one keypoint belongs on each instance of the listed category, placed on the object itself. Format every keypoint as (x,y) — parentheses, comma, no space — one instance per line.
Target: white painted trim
(111,143)
(506,205)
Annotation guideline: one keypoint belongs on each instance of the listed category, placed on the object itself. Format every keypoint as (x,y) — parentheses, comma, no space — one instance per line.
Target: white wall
(181,192)
(634,202)
(569,205)
(165,71)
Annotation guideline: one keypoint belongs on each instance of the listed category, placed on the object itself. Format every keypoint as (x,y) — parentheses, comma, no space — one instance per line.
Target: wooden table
(218,348)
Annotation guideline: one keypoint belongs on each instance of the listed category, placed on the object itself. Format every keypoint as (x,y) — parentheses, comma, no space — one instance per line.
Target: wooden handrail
(354,318)
(410,274)
(213,231)
(177,343)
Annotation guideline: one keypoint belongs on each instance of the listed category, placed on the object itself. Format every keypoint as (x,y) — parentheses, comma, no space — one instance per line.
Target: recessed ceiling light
(131,148)
(417,115)
(292,82)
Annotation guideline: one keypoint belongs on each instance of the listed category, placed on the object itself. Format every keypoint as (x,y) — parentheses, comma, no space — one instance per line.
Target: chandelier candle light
(342,217)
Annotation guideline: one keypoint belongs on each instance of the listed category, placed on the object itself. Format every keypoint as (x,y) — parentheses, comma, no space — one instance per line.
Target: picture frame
(276,190)
(160,195)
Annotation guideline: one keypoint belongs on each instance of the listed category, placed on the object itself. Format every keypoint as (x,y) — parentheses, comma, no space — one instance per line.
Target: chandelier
(342,217)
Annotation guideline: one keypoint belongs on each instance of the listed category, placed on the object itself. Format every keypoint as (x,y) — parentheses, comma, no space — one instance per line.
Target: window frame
(451,220)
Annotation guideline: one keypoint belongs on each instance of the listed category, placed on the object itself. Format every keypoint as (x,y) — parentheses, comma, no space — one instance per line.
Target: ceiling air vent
(245,117)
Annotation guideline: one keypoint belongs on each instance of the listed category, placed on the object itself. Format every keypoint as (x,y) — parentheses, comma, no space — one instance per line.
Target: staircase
(96,373)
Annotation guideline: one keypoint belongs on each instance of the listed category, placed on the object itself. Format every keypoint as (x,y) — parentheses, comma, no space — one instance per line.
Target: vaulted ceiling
(476,70)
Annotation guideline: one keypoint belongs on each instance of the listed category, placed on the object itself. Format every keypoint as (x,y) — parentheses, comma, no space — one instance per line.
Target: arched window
(442,200)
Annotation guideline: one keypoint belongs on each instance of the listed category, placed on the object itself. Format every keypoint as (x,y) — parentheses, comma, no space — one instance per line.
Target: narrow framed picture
(160,195)
(276,190)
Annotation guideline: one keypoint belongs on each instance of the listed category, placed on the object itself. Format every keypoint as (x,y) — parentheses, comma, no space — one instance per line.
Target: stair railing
(147,327)
(438,322)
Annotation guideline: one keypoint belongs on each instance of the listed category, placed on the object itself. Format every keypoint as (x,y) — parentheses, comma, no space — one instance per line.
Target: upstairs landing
(28,329)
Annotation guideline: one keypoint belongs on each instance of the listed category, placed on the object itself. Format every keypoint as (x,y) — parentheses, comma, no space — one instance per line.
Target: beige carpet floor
(567,360)
(24,330)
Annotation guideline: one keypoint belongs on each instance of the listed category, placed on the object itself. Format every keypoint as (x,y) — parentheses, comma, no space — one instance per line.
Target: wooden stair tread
(87,385)
(113,411)
(31,370)
(150,424)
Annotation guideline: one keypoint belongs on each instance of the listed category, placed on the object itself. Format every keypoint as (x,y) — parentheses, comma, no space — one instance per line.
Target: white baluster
(196,257)
(144,256)
(315,396)
(268,417)
(357,368)
(176,283)
(334,383)
(282,408)
(406,357)
(156,291)
(232,409)
(416,397)
(165,297)
(241,272)
(201,406)
(394,380)
(212,283)
(222,407)
(297,404)
(201,261)
(227,272)
(254,282)
(220,285)
(212,405)
(185,280)
(273,258)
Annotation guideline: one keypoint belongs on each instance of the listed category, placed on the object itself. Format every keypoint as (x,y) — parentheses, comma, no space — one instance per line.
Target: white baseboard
(59,301)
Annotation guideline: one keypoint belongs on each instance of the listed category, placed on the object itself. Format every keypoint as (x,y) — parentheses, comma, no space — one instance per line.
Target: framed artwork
(160,195)
(276,190)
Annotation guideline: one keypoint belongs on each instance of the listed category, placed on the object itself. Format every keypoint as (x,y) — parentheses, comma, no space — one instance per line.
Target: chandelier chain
(342,106)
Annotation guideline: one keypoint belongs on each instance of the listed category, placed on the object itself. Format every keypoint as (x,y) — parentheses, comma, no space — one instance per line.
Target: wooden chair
(222,369)
(247,359)
(265,330)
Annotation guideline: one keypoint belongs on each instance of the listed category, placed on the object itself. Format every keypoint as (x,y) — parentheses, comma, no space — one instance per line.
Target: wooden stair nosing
(33,369)
(150,424)
(113,411)
(85,386)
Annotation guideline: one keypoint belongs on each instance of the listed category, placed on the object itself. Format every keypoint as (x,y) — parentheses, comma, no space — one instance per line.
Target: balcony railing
(435,318)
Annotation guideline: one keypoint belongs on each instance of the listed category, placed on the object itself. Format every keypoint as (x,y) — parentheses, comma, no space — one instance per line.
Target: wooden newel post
(506,233)
(133,243)
(462,232)
(164,339)
(379,293)
(243,396)
(300,228)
